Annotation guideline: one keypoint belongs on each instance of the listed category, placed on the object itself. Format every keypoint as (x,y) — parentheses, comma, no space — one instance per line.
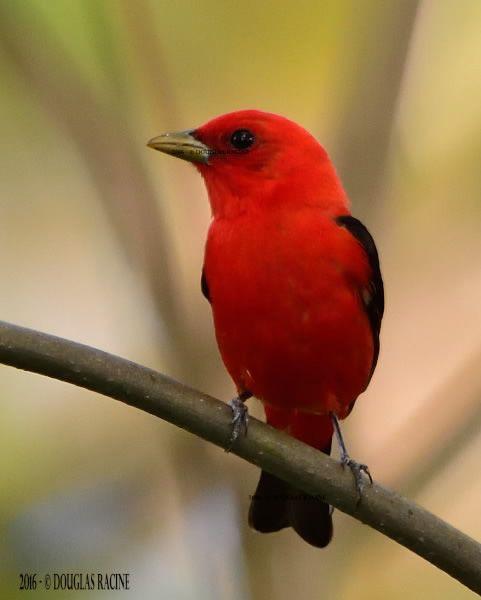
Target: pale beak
(181,144)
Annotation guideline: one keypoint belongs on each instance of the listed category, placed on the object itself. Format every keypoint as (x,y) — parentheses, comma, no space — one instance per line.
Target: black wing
(205,286)
(373,296)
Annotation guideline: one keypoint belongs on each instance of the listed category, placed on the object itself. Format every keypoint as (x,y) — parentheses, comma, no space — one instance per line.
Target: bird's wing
(205,286)
(372,296)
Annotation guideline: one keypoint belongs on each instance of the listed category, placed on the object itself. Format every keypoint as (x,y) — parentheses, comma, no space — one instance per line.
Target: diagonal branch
(299,464)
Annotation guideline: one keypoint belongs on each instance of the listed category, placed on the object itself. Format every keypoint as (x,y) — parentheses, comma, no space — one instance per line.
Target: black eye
(242,139)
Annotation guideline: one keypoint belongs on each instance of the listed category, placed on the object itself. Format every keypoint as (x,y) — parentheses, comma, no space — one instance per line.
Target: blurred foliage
(101,241)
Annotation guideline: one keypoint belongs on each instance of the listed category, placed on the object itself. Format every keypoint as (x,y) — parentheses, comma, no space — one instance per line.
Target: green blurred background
(101,241)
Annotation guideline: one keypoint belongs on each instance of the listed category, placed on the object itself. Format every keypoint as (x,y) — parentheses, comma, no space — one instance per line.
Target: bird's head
(252,159)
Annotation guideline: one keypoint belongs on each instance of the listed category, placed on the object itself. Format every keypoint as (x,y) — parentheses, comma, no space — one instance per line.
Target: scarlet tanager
(295,288)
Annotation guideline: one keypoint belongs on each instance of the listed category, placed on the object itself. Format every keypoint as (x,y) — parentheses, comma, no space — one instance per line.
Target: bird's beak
(182,144)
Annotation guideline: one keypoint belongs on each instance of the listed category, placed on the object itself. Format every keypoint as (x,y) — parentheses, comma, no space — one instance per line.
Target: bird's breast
(287,315)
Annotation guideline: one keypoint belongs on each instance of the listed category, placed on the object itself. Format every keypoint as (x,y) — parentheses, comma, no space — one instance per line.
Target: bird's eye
(242,139)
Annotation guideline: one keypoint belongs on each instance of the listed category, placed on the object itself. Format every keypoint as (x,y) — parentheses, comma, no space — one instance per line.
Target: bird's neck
(319,188)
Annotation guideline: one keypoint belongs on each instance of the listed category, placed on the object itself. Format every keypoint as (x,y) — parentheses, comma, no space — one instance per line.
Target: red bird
(295,288)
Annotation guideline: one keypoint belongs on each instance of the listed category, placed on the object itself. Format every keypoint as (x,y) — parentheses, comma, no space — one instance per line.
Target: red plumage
(290,288)
(287,310)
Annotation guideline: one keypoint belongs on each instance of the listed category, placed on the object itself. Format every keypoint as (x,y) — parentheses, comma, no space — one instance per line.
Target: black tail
(276,505)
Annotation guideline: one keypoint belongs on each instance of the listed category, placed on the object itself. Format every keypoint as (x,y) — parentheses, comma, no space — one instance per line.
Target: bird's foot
(357,469)
(240,417)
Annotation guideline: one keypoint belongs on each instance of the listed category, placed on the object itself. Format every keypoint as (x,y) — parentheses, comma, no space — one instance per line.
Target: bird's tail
(276,504)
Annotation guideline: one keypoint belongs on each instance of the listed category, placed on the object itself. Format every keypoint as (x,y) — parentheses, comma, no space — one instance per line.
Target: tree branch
(299,464)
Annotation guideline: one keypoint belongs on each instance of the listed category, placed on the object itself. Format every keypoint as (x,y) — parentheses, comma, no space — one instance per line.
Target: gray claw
(357,470)
(240,420)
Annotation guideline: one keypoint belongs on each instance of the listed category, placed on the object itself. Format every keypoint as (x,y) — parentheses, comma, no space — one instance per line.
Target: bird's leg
(240,417)
(357,469)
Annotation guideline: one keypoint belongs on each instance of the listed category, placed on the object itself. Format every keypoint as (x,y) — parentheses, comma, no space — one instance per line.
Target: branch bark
(309,470)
